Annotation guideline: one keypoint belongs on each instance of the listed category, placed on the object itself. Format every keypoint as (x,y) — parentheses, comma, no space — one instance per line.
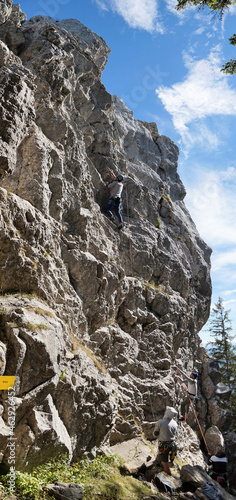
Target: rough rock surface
(214,439)
(65,491)
(5,10)
(93,322)
(198,478)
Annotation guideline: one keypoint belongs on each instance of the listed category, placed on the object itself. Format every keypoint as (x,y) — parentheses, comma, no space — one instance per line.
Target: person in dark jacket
(218,463)
(115,188)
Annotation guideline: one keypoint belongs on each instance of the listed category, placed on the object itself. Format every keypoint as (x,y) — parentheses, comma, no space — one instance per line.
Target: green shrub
(100,478)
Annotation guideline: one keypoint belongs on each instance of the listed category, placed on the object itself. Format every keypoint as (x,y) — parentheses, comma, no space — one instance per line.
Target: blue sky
(166,67)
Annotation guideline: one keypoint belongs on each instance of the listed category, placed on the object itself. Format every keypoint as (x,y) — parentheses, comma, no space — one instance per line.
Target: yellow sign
(7,382)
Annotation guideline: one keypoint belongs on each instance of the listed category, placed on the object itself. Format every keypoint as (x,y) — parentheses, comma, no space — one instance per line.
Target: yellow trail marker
(6,382)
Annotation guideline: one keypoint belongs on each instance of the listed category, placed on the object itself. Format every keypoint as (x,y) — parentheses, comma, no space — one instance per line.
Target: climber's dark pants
(221,478)
(186,403)
(114,203)
(166,450)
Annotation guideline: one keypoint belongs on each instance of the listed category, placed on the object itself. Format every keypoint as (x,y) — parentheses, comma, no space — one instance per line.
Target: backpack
(211,491)
(222,480)
(164,484)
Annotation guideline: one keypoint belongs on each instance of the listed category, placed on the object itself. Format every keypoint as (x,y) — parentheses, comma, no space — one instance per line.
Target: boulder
(204,486)
(220,414)
(136,453)
(223,391)
(65,491)
(214,439)
(192,475)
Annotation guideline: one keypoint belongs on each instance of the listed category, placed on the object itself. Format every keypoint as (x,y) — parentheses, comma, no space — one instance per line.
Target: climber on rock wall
(116,188)
(166,430)
(191,392)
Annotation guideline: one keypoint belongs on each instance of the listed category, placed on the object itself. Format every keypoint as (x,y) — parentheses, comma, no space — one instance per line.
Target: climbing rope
(203,437)
(131,259)
(134,301)
(135,307)
(130,241)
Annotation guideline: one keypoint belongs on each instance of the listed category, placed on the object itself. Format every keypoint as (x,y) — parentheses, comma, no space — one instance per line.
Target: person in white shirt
(116,188)
(191,384)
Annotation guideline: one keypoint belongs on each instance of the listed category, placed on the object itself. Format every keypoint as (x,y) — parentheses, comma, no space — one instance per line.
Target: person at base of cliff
(166,430)
(191,394)
(116,188)
(218,463)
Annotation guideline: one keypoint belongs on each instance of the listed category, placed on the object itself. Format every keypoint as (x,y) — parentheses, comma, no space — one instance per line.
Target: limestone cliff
(93,321)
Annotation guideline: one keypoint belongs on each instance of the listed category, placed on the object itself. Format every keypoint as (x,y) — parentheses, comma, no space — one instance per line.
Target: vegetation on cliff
(104,477)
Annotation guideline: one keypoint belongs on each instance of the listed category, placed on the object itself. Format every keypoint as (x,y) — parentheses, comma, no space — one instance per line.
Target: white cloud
(210,196)
(231,301)
(200,30)
(229,292)
(227,258)
(142,14)
(182,13)
(229,174)
(215,218)
(146,14)
(224,274)
(101,4)
(231,10)
(205,92)
(171,4)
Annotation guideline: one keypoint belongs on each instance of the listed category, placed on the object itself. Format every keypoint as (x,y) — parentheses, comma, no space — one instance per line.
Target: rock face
(93,322)
(204,486)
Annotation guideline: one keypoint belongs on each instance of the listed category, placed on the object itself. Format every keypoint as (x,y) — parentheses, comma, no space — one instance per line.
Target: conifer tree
(223,350)
(217,6)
